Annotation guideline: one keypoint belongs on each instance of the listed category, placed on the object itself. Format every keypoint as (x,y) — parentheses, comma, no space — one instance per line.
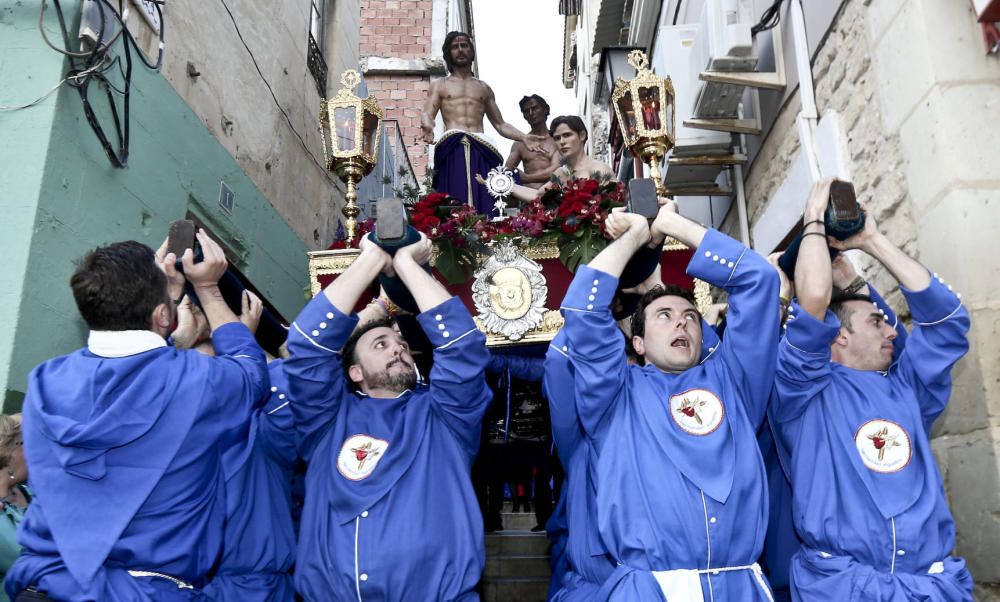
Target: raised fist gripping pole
(393,232)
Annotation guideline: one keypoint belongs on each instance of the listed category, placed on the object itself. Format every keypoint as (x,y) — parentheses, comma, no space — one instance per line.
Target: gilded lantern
(644,107)
(351,128)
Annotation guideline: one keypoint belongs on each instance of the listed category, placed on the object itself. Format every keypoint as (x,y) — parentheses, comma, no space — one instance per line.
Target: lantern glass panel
(371,128)
(628,115)
(670,119)
(649,100)
(346,120)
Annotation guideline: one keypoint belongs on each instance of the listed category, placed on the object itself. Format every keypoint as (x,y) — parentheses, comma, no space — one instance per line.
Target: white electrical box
(724,43)
(672,56)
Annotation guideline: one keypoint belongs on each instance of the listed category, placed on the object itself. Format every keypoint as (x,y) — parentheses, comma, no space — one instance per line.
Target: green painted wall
(68,199)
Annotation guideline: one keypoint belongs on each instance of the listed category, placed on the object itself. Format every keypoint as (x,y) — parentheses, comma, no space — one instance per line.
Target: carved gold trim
(329,263)
(552,321)
(702,295)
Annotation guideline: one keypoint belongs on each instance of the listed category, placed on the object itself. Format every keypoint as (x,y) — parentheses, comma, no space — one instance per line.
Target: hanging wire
(769,19)
(94,65)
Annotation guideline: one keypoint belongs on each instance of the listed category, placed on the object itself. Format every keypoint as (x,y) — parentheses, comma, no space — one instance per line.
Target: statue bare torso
(463,102)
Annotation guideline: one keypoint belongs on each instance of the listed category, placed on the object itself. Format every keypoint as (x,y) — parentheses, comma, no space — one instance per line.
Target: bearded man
(390,513)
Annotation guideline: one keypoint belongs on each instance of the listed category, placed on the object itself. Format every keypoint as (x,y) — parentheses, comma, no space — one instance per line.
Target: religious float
(511,270)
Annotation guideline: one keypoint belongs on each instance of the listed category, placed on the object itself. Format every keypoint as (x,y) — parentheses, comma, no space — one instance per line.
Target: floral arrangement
(571,215)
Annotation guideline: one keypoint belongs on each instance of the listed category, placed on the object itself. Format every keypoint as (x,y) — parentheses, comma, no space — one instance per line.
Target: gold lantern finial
(644,107)
(351,128)
(638,60)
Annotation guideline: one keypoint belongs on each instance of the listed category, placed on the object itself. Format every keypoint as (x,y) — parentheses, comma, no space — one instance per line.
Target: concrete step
(515,589)
(517,566)
(513,543)
(518,521)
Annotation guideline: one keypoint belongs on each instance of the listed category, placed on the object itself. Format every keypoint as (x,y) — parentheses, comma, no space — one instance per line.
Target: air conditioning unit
(724,43)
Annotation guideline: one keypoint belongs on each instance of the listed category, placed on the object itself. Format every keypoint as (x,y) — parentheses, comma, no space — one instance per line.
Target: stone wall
(919,103)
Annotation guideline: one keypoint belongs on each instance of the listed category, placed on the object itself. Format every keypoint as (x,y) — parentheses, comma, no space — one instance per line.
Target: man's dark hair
(572,122)
(537,99)
(348,354)
(838,305)
(639,317)
(117,287)
(446,47)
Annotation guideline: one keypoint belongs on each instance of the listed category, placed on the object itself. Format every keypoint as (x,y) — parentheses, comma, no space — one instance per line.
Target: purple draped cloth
(458,157)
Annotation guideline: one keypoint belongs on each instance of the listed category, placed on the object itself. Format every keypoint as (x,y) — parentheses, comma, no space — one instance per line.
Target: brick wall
(400,29)
(401,98)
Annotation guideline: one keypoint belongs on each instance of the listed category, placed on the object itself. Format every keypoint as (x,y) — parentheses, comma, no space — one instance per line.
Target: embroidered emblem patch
(697,411)
(360,455)
(884,446)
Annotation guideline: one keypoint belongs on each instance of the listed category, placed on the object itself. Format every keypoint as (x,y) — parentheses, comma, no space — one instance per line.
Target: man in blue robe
(681,493)
(390,512)
(259,548)
(869,502)
(585,566)
(124,437)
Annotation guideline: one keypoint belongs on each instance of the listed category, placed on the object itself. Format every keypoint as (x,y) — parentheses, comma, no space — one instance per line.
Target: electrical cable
(769,19)
(288,119)
(677,11)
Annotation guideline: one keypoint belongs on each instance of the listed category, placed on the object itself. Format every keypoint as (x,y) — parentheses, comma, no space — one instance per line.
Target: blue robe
(869,502)
(390,513)
(782,541)
(125,457)
(586,565)
(679,479)
(259,548)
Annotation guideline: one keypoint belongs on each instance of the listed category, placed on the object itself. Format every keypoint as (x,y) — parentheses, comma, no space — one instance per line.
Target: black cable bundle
(768,20)
(85,67)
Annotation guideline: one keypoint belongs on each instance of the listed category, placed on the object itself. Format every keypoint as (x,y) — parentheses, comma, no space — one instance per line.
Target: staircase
(517,561)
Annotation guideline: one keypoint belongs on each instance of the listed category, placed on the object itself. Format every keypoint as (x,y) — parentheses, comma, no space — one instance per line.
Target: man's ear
(639,345)
(841,339)
(355,373)
(162,320)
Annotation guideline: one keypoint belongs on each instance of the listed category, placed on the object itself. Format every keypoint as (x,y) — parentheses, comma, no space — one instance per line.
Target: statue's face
(534,112)
(570,143)
(461,51)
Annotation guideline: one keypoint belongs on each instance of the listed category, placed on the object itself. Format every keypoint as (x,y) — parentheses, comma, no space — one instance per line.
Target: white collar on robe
(123,343)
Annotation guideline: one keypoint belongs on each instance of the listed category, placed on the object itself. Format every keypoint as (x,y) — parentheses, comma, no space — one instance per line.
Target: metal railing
(392,172)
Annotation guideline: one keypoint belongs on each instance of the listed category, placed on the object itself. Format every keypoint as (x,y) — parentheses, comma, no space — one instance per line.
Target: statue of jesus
(463,150)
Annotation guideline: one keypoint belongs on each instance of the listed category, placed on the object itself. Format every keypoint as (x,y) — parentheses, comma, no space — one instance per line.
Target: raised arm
(939,338)
(315,376)
(534,143)
(429,113)
(426,290)
(459,393)
(558,386)
(813,272)
(240,368)
(595,345)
